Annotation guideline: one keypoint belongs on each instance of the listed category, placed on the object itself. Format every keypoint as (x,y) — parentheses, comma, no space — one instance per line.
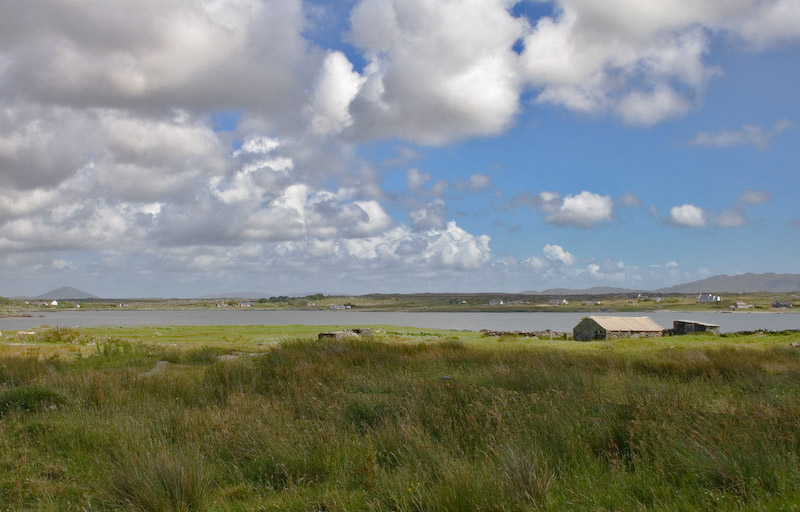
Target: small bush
(58,335)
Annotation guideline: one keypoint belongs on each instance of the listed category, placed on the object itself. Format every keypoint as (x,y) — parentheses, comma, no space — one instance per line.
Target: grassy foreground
(127,419)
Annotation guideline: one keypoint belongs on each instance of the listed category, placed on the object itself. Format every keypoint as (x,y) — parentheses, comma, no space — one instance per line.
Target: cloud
(630,200)
(754,135)
(731,218)
(735,216)
(416,179)
(754,197)
(620,56)
(650,107)
(437,71)
(584,210)
(688,216)
(556,263)
(479,182)
(150,54)
(769,23)
(645,62)
(337,88)
(450,248)
(428,216)
(554,259)
(609,270)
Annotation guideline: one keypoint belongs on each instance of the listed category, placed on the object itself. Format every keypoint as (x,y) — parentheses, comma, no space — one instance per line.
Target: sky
(173,148)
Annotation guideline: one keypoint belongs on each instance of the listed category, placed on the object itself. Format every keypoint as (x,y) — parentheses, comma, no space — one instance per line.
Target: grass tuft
(160,480)
(29,398)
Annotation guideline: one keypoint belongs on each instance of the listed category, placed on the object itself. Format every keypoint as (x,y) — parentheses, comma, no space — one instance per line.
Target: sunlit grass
(201,418)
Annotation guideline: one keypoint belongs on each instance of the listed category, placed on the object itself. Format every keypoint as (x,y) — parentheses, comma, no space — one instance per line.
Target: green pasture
(270,418)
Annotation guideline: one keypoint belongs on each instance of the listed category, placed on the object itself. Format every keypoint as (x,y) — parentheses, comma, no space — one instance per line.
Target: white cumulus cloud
(554,259)
(688,215)
(437,71)
(583,210)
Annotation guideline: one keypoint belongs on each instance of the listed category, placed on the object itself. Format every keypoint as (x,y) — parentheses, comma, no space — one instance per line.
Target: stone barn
(611,327)
(689,327)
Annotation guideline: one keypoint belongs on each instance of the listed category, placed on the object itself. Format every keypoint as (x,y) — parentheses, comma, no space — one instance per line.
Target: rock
(342,335)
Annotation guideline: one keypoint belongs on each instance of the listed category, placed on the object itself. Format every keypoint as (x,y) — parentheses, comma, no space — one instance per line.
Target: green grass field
(269,418)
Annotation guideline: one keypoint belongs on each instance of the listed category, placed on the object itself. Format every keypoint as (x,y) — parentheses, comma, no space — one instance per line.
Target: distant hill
(237,295)
(597,290)
(744,283)
(66,293)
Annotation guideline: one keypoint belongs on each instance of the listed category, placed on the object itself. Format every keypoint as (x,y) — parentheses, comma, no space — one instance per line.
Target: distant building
(690,326)
(705,298)
(742,305)
(496,302)
(781,304)
(557,302)
(611,327)
(54,303)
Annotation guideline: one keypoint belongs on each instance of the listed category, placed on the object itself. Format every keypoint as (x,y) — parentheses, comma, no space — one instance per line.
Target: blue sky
(291,147)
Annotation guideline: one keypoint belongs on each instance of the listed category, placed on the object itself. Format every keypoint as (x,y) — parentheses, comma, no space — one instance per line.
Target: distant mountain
(744,283)
(66,293)
(237,295)
(597,290)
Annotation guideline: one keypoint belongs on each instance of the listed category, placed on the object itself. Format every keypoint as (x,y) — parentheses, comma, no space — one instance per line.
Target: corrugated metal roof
(697,323)
(627,323)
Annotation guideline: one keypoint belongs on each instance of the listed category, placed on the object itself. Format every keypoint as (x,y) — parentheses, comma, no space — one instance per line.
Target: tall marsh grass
(372,425)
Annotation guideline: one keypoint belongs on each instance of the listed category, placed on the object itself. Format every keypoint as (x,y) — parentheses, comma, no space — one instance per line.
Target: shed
(610,327)
(691,326)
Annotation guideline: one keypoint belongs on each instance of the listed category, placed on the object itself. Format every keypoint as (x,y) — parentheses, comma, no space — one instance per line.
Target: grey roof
(627,323)
(697,323)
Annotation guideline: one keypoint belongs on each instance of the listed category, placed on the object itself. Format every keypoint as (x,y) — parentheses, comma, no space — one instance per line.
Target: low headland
(431,302)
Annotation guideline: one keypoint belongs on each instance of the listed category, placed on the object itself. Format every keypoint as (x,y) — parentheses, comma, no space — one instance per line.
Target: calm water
(728,322)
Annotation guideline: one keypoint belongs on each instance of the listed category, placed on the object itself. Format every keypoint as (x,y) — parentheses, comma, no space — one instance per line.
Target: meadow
(270,418)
